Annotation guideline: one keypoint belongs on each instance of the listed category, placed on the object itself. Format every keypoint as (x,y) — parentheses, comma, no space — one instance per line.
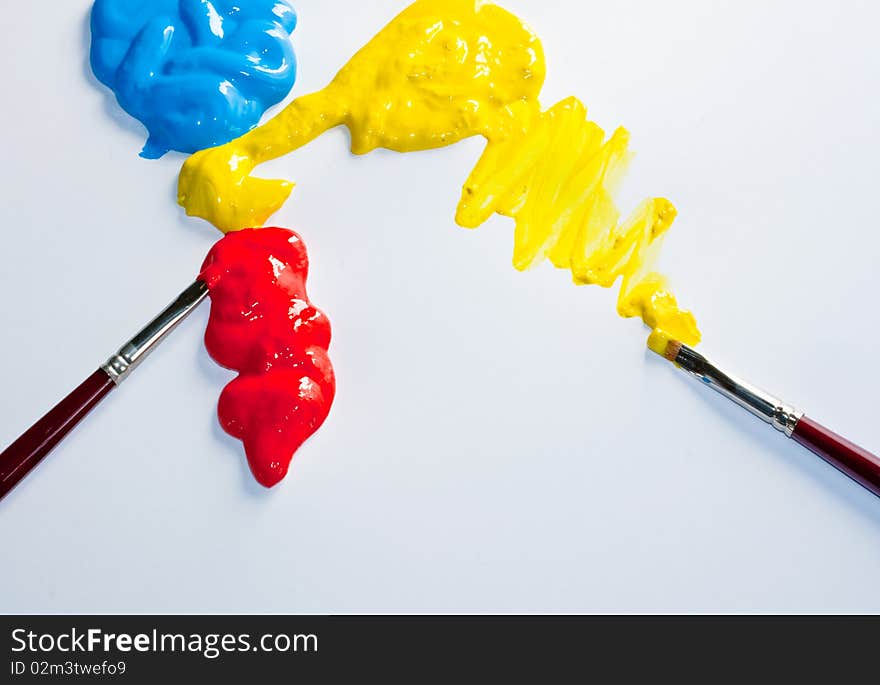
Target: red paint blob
(263,326)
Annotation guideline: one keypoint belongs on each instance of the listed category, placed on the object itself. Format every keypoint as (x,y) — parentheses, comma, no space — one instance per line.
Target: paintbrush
(856,462)
(17,460)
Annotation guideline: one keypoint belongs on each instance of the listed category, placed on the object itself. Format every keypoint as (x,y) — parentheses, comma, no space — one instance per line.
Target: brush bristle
(673,347)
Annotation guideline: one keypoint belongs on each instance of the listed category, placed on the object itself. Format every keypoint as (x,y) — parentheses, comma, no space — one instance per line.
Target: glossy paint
(442,71)
(196,73)
(263,325)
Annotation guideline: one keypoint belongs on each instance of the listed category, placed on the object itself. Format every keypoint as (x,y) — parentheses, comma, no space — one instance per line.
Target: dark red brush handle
(856,462)
(24,454)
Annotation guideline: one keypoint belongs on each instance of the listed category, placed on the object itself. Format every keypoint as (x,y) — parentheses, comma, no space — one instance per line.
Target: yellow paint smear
(443,71)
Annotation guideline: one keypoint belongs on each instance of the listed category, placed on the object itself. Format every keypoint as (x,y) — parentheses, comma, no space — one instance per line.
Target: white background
(500,441)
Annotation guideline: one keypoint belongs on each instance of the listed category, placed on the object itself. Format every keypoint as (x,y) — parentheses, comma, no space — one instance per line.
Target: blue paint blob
(196,73)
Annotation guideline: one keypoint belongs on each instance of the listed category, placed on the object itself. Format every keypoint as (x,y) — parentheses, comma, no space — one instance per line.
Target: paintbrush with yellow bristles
(856,462)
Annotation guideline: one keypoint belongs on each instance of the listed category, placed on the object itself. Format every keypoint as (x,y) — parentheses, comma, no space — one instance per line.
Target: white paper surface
(500,441)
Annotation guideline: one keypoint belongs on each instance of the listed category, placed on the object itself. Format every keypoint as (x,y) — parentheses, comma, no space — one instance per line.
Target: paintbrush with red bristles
(20,458)
(856,462)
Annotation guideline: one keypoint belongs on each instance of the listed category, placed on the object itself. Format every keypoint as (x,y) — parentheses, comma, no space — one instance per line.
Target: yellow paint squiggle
(442,71)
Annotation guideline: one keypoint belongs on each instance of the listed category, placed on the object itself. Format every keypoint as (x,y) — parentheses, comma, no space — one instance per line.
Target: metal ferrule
(126,360)
(783,417)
